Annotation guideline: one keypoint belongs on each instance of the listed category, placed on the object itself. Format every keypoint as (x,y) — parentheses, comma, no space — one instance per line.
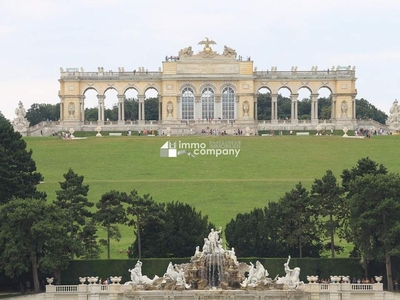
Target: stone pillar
(82,107)
(353,106)
(159,107)
(100,118)
(294,108)
(255,110)
(61,108)
(141,107)
(197,107)
(217,107)
(314,108)
(333,106)
(274,108)
(121,108)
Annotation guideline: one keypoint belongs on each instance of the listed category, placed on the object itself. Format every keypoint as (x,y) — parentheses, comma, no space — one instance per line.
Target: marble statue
(257,275)
(344,109)
(213,237)
(245,109)
(20,123)
(394,117)
(228,51)
(137,277)
(186,51)
(291,278)
(170,109)
(171,272)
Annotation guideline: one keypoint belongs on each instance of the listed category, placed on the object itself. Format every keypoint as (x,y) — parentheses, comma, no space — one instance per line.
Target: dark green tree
(365,110)
(88,238)
(145,212)
(73,199)
(186,227)
(284,107)
(131,109)
(33,237)
(110,213)
(329,202)
(264,106)
(304,109)
(17,168)
(91,114)
(375,217)
(151,109)
(300,223)
(43,112)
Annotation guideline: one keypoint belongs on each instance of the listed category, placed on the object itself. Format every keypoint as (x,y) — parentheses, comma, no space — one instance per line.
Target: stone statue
(137,277)
(394,114)
(213,237)
(207,51)
(257,275)
(245,109)
(344,109)
(291,278)
(206,246)
(186,51)
(171,272)
(71,110)
(170,109)
(20,112)
(228,51)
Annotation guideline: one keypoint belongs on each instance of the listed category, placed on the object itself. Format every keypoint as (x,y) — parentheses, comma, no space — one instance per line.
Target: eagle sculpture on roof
(207,42)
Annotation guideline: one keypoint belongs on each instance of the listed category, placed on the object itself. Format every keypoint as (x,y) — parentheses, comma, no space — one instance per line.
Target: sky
(37,37)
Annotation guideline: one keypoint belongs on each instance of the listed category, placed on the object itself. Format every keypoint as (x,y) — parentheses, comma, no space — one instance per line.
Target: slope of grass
(222,187)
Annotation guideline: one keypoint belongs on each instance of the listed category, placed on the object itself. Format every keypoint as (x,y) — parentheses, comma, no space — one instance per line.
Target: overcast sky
(40,36)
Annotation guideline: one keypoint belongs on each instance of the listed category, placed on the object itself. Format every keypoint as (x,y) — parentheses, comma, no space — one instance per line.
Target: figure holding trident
(213,237)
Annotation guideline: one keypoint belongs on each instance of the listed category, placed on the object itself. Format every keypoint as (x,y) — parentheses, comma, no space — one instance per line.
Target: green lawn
(222,187)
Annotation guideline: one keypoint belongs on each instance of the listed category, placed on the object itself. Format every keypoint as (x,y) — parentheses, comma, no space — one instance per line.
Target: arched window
(207,103)
(228,104)
(187,101)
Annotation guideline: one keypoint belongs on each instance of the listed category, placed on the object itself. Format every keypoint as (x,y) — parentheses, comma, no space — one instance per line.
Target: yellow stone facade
(226,82)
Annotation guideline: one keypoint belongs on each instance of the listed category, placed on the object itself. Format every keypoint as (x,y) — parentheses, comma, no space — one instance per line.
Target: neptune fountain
(215,268)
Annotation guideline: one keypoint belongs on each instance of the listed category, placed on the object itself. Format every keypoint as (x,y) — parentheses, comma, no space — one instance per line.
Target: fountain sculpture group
(214,268)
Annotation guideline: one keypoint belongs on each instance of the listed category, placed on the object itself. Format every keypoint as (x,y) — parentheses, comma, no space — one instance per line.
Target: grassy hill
(222,187)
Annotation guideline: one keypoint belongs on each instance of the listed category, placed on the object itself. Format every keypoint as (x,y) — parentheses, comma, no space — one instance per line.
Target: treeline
(364,110)
(37,234)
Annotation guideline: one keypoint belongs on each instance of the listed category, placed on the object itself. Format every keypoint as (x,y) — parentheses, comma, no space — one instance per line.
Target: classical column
(294,107)
(274,108)
(82,107)
(121,107)
(100,117)
(159,107)
(333,106)
(141,107)
(217,106)
(61,108)
(197,107)
(314,108)
(255,110)
(353,104)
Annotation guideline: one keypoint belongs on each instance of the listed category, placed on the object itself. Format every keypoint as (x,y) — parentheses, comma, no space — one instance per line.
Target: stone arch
(185,85)
(207,85)
(226,85)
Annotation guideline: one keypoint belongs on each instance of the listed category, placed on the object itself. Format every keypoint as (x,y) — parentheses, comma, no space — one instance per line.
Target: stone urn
(312,279)
(50,280)
(118,279)
(378,279)
(335,279)
(82,280)
(346,279)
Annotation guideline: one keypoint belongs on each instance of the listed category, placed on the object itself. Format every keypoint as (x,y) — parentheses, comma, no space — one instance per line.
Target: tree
(264,106)
(111,213)
(151,109)
(43,112)
(366,110)
(284,107)
(72,198)
(145,211)
(33,236)
(17,168)
(300,225)
(88,238)
(186,227)
(375,217)
(328,202)
(91,114)
(131,109)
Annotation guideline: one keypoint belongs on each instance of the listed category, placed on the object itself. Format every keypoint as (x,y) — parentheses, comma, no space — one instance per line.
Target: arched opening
(304,105)
(110,106)
(207,103)
(187,102)
(151,107)
(228,103)
(264,104)
(91,105)
(131,105)
(284,103)
(325,104)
